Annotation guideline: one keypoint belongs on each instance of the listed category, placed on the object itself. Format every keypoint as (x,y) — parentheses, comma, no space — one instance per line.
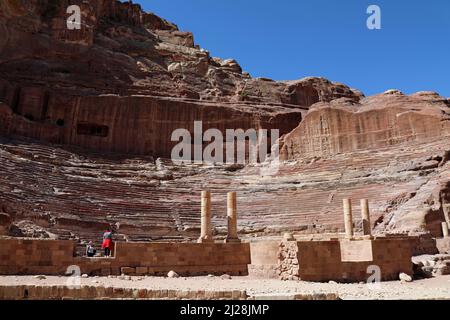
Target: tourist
(107,242)
(90,250)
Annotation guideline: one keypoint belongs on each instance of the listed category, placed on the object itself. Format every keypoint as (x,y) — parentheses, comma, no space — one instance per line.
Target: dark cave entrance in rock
(92,130)
(60,122)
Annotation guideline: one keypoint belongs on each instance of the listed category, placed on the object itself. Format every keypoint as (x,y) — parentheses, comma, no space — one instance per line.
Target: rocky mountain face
(49,75)
(122,50)
(86,118)
(391,118)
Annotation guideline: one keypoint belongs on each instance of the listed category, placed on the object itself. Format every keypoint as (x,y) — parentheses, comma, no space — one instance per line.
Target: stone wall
(185,258)
(319,260)
(344,260)
(289,260)
(35,256)
(50,257)
(393,256)
(424,244)
(264,259)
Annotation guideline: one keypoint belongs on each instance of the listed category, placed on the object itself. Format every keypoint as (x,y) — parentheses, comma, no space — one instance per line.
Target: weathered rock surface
(75,195)
(98,87)
(387,119)
(118,88)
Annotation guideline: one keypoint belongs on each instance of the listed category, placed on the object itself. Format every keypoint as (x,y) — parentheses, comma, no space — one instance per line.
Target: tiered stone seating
(76,196)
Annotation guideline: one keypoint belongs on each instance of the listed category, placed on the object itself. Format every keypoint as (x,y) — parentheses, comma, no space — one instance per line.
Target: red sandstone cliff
(128,78)
(343,126)
(47,73)
(122,50)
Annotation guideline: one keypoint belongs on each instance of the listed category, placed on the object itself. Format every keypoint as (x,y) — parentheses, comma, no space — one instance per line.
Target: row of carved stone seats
(177,202)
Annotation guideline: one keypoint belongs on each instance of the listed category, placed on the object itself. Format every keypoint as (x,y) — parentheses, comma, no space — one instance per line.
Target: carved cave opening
(92,130)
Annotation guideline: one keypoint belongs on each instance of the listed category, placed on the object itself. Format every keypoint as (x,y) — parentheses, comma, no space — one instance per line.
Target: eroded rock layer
(58,85)
(387,119)
(122,50)
(86,118)
(135,125)
(70,194)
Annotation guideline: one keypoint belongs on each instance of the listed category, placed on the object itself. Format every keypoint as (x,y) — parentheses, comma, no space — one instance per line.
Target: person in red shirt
(107,242)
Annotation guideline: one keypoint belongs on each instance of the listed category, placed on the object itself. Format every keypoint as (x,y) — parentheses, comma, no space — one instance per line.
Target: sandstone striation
(86,118)
(391,118)
(74,194)
(122,50)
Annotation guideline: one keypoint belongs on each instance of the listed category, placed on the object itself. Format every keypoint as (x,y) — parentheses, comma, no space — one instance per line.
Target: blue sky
(292,39)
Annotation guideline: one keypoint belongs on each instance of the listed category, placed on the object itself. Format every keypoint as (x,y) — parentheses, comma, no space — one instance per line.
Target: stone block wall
(21,256)
(344,260)
(50,257)
(354,251)
(424,244)
(288,262)
(319,260)
(393,256)
(185,258)
(264,259)
(306,260)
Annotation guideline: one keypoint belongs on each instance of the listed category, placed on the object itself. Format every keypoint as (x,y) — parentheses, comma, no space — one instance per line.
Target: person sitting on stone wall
(107,242)
(90,250)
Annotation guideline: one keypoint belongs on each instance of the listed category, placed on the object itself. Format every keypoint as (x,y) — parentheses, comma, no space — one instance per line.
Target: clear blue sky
(291,39)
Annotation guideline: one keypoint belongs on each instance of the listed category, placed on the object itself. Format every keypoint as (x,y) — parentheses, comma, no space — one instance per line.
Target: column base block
(232,240)
(205,240)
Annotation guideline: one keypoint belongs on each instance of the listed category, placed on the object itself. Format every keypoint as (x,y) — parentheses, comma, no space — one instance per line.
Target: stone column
(446,207)
(367,229)
(232,218)
(206,232)
(348,218)
(445,229)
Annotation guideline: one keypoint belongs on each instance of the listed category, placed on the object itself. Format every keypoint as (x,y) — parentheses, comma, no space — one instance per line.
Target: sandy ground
(435,288)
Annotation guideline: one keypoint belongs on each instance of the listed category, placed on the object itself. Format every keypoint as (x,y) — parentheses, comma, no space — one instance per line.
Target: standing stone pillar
(232,218)
(348,218)
(367,229)
(445,229)
(206,231)
(446,207)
